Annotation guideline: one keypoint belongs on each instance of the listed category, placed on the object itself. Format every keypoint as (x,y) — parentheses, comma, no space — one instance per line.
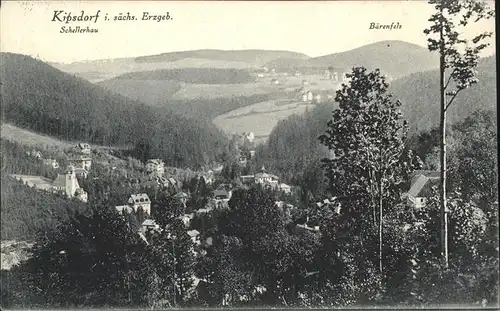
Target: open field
(210,91)
(97,71)
(260,118)
(29,138)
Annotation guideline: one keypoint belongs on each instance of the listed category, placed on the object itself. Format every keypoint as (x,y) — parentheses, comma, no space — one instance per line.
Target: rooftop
(140,198)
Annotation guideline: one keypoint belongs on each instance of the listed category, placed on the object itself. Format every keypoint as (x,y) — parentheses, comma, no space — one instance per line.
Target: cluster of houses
(157,170)
(66,183)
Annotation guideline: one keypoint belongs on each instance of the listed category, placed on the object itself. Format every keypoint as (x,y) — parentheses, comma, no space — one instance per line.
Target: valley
(227,87)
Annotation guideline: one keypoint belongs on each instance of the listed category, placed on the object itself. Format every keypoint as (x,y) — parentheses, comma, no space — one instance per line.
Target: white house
(149,224)
(420,189)
(275,81)
(285,188)
(265,179)
(317,98)
(194,234)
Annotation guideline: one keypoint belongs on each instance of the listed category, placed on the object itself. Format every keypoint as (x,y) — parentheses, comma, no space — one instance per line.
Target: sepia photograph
(249,154)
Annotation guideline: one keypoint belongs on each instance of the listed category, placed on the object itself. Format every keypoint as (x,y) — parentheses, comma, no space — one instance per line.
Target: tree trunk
(380,206)
(442,155)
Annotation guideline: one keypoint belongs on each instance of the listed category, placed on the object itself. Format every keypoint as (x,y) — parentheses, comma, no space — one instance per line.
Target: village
(155,173)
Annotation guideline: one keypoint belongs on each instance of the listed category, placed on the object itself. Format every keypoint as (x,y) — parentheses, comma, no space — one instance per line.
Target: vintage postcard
(206,154)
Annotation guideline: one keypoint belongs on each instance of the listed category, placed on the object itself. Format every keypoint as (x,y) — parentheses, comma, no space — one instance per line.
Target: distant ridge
(394,58)
(255,56)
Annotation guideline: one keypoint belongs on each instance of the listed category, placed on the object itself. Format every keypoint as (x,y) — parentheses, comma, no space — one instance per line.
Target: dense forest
(41,98)
(27,212)
(194,75)
(419,94)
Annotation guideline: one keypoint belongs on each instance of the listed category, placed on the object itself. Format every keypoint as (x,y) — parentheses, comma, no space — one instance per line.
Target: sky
(313,28)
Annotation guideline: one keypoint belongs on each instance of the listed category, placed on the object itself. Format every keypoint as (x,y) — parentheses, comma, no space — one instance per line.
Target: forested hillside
(293,150)
(419,94)
(27,212)
(41,98)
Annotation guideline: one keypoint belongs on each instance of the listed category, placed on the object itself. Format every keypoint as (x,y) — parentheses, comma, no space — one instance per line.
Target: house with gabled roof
(266,179)
(149,224)
(421,187)
(135,202)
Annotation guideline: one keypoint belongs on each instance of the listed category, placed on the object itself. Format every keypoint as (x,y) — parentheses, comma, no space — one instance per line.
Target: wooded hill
(41,98)
(419,94)
(395,58)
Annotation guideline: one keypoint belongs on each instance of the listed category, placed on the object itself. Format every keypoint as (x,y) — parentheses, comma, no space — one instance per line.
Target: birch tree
(458,58)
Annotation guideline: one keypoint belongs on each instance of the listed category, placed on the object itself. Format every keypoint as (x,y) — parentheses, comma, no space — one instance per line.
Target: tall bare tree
(458,58)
